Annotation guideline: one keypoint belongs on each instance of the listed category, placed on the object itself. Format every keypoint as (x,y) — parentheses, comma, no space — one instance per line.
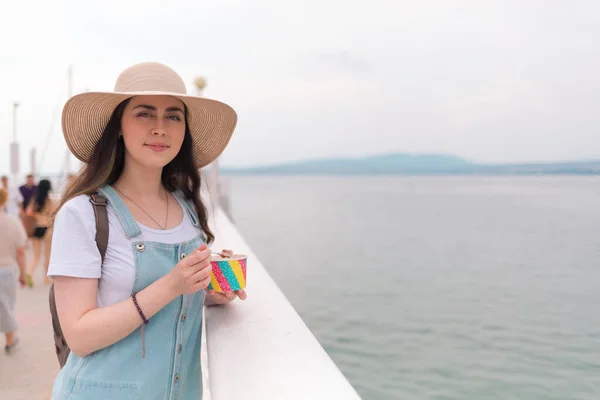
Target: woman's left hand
(227,297)
(22,280)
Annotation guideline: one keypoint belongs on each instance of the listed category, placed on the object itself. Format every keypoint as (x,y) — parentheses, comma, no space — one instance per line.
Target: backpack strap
(99,202)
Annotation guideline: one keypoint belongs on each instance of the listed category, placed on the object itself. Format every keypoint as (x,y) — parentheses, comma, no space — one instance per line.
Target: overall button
(140,247)
(183,317)
(179,348)
(176,378)
(182,256)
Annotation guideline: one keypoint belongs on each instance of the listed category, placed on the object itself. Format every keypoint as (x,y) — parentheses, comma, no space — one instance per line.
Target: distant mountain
(414,164)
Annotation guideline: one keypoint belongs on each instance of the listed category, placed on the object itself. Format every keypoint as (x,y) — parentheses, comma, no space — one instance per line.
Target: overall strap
(99,202)
(189,207)
(131,227)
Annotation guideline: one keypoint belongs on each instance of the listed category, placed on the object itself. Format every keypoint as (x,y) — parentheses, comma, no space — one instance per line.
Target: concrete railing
(260,348)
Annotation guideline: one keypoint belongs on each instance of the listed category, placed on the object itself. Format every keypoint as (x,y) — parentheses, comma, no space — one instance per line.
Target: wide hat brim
(86,115)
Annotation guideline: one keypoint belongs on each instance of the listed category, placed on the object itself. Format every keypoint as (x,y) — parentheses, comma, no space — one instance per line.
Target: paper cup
(228,273)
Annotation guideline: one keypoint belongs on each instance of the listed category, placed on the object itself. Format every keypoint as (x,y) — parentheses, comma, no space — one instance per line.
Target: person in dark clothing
(27,191)
(41,207)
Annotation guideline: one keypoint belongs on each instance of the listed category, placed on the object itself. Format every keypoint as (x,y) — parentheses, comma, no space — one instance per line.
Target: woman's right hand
(192,274)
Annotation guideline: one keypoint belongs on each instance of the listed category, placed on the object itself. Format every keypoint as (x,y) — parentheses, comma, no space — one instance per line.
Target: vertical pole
(215,188)
(69,94)
(14,149)
(70,81)
(33,169)
(15,106)
(214,171)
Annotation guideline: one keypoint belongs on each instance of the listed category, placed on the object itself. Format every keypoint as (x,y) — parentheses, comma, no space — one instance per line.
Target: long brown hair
(108,159)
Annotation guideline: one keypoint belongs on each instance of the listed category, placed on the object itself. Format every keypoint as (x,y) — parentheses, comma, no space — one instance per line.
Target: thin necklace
(149,216)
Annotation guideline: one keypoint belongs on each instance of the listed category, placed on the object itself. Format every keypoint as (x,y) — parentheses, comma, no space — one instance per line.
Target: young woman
(12,254)
(133,322)
(41,206)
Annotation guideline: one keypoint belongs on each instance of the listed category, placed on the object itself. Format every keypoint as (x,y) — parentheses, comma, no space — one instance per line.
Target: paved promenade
(28,372)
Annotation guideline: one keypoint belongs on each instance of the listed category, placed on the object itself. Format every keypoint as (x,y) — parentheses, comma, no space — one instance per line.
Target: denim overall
(170,368)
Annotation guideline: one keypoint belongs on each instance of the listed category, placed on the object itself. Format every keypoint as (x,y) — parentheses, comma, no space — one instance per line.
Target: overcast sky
(495,81)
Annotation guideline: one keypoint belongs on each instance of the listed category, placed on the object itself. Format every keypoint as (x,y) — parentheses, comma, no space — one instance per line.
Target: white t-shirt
(12,237)
(75,253)
(14,199)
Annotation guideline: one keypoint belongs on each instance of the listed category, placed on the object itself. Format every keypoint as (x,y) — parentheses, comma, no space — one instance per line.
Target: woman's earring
(120,136)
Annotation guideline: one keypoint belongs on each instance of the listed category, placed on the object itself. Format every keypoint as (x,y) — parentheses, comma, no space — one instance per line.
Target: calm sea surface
(439,288)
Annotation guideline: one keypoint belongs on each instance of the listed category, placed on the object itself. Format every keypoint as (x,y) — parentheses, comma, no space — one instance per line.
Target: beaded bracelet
(139,309)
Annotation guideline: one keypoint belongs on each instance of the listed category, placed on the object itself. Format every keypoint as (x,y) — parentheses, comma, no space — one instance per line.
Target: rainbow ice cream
(228,272)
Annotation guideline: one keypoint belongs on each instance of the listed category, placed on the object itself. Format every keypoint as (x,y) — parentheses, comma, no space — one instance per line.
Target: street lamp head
(200,82)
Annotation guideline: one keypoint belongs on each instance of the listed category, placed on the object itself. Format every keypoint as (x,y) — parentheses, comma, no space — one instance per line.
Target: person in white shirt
(14,197)
(12,255)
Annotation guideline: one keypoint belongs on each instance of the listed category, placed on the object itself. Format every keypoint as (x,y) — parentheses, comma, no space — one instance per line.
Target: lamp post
(32,161)
(14,148)
(15,106)
(200,84)
(69,94)
(213,181)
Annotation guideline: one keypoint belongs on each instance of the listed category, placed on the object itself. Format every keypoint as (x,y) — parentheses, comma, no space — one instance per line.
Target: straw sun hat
(85,115)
